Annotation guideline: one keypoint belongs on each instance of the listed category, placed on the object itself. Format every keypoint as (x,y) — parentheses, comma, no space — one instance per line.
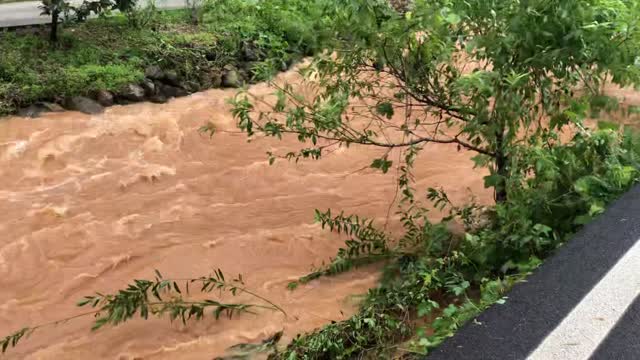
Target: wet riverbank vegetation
(147,54)
(518,84)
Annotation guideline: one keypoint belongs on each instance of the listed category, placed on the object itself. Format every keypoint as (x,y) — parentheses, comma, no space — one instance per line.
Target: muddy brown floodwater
(89,203)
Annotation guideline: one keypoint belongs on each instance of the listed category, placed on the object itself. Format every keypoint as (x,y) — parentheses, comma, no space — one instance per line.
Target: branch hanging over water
(158,297)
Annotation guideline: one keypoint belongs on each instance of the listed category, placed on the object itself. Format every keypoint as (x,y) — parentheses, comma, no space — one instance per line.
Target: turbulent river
(89,203)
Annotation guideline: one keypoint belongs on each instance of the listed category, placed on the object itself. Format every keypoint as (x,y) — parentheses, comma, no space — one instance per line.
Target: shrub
(437,278)
(499,79)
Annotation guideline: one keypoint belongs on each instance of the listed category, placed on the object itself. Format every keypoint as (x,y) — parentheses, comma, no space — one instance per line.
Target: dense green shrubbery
(442,280)
(500,79)
(108,53)
(270,35)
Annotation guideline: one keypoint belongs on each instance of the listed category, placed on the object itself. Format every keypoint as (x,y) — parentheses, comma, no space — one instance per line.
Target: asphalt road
(28,13)
(582,304)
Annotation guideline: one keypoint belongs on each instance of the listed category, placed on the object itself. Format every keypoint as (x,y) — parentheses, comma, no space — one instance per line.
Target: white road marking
(587,325)
(28,12)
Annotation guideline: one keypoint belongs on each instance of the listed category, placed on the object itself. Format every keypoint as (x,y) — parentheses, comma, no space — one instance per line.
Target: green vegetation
(108,53)
(499,79)
(442,279)
(502,80)
(159,297)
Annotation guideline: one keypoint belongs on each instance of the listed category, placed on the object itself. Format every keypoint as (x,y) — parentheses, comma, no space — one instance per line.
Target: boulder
(171,77)
(158,85)
(206,80)
(104,98)
(154,72)
(216,80)
(210,79)
(158,98)
(51,107)
(191,86)
(59,99)
(231,78)
(250,52)
(132,92)
(35,110)
(243,75)
(149,87)
(286,65)
(30,111)
(85,105)
(170,91)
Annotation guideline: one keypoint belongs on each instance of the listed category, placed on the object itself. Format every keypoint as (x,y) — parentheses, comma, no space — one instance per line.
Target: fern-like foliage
(364,237)
(13,339)
(365,244)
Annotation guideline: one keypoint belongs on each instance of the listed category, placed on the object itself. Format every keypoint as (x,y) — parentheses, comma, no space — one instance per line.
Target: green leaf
(450,310)
(370,322)
(382,164)
(607,125)
(86,300)
(280,104)
(492,180)
(596,209)
(385,109)
(99,323)
(453,18)
(426,307)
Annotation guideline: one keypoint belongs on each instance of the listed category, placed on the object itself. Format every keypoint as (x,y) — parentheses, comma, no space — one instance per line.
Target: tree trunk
(501,188)
(502,163)
(53,36)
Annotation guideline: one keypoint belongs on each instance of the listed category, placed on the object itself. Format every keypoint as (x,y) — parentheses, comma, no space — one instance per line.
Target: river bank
(93,201)
(166,54)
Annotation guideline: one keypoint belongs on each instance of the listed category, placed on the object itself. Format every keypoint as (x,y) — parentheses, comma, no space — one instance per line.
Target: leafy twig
(157,297)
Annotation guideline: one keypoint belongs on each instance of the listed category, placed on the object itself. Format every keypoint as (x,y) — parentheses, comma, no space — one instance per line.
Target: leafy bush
(279,31)
(474,68)
(87,78)
(500,79)
(139,16)
(442,280)
(78,70)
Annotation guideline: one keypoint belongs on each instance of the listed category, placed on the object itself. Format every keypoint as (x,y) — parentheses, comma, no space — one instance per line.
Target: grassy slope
(100,54)
(109,53)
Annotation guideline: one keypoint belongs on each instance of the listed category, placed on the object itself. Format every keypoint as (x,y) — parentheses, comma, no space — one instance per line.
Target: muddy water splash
(90,203)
